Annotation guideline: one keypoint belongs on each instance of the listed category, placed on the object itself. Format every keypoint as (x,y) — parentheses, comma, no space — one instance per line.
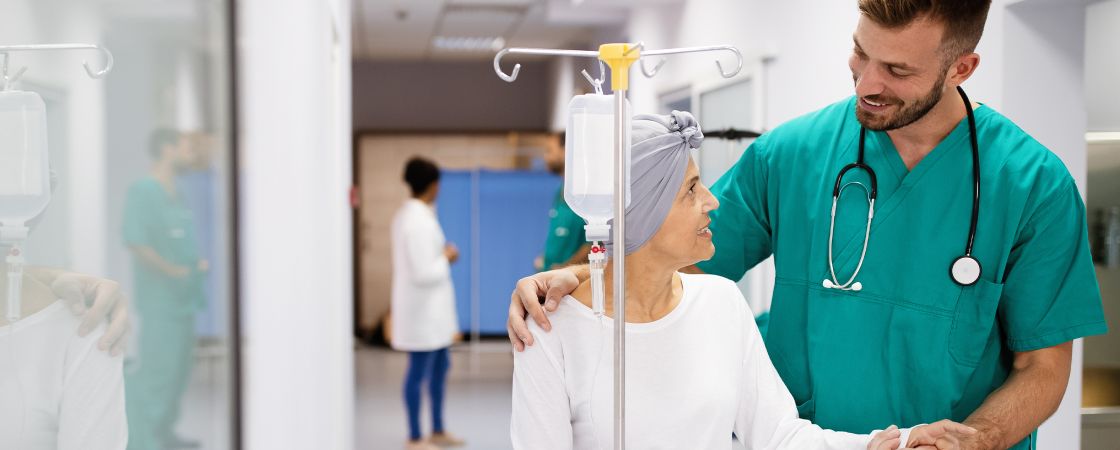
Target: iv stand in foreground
(14,234)
(619,57)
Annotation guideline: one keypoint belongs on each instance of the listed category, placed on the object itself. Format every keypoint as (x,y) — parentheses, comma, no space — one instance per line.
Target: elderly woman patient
(696,367)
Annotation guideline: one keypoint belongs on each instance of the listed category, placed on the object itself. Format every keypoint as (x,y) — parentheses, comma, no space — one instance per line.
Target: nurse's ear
(962,68)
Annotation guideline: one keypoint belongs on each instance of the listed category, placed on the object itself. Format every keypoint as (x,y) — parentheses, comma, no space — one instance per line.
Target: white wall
(1031,66)
(1102,58)
(296,234)
(1043,64)
(414,96)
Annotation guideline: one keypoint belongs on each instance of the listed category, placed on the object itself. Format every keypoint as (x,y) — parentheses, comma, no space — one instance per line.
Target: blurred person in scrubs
(913,344)
(566,243)
(168,274)
(424,322)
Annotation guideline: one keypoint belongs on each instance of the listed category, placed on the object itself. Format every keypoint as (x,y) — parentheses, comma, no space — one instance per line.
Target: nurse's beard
(908,114)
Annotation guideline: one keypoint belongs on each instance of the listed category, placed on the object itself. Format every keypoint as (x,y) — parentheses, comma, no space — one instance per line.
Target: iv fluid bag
(24,168)
(589,157)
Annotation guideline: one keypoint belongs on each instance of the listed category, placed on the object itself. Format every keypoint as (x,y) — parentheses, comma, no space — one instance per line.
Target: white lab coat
(423,298)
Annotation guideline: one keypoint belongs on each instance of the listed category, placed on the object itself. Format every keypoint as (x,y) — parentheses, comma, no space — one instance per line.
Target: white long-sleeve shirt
(58,390)
(423,298)
(692,378)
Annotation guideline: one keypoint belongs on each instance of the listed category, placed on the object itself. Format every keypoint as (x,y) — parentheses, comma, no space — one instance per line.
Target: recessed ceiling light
(469,44)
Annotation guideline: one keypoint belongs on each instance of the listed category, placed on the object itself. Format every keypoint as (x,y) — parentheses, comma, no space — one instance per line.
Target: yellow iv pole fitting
(619,57)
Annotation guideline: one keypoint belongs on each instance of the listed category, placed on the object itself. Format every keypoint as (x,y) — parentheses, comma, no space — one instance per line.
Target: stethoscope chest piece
(965,270)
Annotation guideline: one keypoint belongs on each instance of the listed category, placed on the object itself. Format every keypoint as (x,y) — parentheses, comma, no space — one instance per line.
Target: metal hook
(738,63)
(92,73)
(9,80)
(650,73)
(108,64)
(597,83)
(674,51)
(498,67)
(641,45)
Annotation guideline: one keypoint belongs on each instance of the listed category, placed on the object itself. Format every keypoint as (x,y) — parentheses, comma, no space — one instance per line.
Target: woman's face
(684,237)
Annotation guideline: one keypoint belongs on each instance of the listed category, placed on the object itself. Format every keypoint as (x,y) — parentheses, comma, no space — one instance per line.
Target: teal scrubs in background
(565,233)
(912,347)
(156,381)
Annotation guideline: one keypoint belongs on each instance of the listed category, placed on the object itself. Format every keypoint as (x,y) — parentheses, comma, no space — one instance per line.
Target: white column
(296,268)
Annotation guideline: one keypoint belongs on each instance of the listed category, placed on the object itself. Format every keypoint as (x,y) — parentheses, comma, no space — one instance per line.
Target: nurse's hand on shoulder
(940,435)
(97,300)
(550,286)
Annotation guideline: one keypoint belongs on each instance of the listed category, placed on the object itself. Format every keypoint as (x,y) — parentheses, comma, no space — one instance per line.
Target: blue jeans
(431,367)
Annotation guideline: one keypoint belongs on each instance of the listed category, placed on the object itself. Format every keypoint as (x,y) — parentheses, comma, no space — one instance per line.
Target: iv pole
(619,57)
(14,234)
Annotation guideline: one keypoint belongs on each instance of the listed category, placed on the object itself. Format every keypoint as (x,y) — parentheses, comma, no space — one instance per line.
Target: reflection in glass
(122,337)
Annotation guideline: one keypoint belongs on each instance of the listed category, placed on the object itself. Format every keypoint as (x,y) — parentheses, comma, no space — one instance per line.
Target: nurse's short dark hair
(162,138)
(419,174)
(963,19)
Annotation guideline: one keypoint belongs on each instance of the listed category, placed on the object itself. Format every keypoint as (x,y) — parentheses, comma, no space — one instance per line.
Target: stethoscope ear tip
(827,284)
(857,286)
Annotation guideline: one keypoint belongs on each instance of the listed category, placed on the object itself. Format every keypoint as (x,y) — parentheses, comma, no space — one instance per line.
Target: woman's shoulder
(571,322)
(53,331)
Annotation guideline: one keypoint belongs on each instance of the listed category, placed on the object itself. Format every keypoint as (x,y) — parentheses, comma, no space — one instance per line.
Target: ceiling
(406,29)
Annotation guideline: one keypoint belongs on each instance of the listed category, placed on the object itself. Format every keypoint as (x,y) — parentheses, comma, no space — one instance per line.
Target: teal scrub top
(155,219)
(912,347)
(565,233)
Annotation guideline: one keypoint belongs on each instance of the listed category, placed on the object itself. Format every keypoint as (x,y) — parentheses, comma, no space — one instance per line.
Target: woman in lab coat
(424,322)
(696,364)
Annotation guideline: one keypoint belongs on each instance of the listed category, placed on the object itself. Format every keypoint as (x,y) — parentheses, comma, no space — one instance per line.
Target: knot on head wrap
(659,154)
(684,124)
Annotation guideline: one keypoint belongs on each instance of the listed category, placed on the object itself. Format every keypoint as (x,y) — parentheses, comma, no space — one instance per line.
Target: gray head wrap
(659,154)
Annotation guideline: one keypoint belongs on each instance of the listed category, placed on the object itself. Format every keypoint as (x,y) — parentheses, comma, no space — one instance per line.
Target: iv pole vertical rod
(620,169)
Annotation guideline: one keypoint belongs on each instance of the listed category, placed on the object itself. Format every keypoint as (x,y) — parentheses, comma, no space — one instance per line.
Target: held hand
(451,252)
(552,285)
(941,435)
(887,439)
(96,300)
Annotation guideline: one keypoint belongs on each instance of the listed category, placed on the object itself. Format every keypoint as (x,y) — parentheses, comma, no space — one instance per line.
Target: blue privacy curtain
(499,221)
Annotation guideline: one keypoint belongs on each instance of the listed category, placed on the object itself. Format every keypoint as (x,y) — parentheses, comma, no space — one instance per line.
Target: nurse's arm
(1030,395)
(550,286)
(152,258)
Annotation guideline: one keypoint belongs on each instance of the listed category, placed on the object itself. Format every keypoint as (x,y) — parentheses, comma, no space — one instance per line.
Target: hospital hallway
(477,404)
(268,224)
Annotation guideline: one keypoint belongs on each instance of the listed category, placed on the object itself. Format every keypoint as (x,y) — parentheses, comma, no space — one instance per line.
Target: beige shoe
(419,445)
(446,440)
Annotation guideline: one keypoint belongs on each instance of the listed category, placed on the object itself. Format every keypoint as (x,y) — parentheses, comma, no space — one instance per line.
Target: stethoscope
(965,270)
